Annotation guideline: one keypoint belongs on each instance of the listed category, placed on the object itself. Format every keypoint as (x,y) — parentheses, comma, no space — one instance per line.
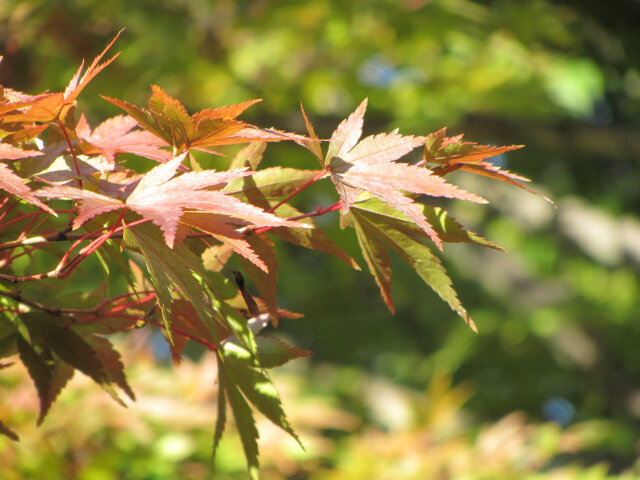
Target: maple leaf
(14,184)
(451,154)
(49,377)
(49,107)
(186,321)
(77,84)
(369,165)
(115,136)
(447,227)
(313,143)
(380,228)
(37,108)
(67,350)
(242,380)
(9,152)
(163,198)
(168,119)
(273,352)
(16,131)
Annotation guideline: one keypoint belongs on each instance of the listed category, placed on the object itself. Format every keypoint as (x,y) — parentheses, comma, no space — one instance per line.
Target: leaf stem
(316,213)
(19,219)
(317,177)
(62,236)
(73,152)
(89,249)
(135,303)
(9,208)
(209,345)
(102,304)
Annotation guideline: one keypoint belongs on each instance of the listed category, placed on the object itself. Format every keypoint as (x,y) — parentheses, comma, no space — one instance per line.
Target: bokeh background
(550,386)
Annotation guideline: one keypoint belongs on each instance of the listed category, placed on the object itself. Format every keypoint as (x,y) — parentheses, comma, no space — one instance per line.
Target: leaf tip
(472,325)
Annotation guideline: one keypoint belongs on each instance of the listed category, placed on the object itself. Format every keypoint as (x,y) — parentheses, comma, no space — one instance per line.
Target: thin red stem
(11,207)
(317,177)
(63,260)
(102,304)
(73,152)
(209,345)
(89,249)
(131,304)
(316,213)
(17,255)
(19,219)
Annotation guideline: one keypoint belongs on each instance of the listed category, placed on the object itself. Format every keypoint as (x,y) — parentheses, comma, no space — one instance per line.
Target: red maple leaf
(168,119)
(12,183)
(451,154)
(164,198)
(115,136)
(370,165)
(49,107)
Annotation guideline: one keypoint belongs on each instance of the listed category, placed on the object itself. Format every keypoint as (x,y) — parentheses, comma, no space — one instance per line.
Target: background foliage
(557,315)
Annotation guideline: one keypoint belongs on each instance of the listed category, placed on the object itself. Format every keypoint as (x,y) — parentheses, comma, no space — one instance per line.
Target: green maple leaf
(243,381)
(377,232)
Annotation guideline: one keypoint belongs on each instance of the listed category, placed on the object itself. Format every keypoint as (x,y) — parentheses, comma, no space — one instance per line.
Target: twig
(55,311)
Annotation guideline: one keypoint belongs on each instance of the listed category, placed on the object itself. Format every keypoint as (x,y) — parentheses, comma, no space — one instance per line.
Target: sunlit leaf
(273,352)
(370,165)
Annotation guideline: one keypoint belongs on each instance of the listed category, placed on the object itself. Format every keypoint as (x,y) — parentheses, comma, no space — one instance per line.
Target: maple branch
(55,311)
(60,236)
(96,312)
(319,211)
(27,278)
(62,270)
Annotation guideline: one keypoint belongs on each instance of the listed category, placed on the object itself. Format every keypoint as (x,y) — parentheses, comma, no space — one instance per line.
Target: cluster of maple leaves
(67,195)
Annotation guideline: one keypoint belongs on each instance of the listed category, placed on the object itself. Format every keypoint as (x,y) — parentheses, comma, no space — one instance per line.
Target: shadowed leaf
(4,430)
(376,231)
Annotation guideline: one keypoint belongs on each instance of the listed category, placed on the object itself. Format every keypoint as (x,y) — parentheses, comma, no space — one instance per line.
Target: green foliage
(430,434)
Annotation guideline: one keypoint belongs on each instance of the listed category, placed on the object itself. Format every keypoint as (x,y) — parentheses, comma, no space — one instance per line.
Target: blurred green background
(549,388)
